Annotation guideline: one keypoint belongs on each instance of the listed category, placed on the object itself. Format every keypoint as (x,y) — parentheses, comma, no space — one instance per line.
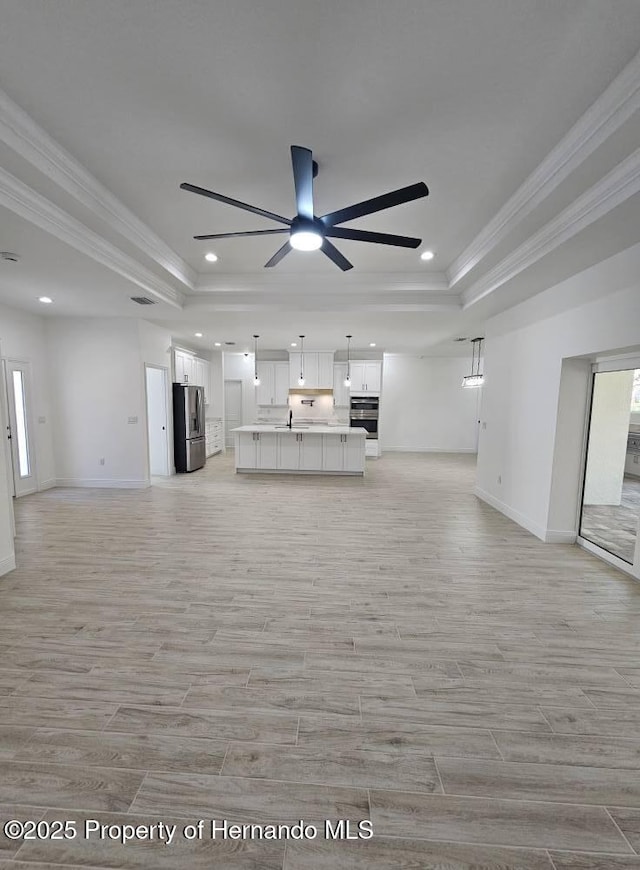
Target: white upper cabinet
(281,383)
(190,369)
(264,390)
(325,371)
(274,383)
(317,369)
(340,392)
(366,376)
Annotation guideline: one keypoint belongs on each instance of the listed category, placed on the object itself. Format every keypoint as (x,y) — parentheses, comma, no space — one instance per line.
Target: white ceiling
(124,101)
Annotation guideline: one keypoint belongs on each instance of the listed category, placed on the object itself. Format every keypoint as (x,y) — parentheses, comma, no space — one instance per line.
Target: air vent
(9,257)
(143,300)
(229,343)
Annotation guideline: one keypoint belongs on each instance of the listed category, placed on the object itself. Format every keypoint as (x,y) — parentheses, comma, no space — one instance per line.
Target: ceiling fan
(308,232)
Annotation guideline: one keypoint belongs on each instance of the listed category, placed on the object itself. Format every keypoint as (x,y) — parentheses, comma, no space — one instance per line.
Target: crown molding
(301,283)
(24,136)
(609,112)
(35,208)
(612,190)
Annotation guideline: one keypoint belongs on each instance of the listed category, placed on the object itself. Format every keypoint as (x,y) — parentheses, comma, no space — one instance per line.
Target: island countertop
(311,429)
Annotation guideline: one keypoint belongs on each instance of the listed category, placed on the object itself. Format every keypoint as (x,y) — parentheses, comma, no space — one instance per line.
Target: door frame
(623,362)
(8,460)
(168,428)
(225,416)
(25,367)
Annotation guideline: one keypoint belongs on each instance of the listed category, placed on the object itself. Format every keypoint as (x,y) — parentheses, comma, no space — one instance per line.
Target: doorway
(610,512)
(157,421)
(232,410)
(17,376)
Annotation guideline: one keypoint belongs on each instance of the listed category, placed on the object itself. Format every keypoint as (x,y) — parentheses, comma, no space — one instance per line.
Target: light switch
(42,419)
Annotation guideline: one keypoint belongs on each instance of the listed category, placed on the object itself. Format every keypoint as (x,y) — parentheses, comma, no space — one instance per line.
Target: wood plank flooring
(265,649)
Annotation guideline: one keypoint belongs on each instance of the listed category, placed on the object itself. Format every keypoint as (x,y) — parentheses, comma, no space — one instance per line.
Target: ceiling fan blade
(244,233)
(334,254)
(378,203)
(378,238)
(279,255)
(302,161)
(227,199)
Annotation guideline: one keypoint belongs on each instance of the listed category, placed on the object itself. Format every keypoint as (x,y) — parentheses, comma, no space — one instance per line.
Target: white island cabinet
(314,450)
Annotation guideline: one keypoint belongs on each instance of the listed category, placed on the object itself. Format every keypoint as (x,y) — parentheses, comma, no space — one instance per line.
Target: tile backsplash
(321,411)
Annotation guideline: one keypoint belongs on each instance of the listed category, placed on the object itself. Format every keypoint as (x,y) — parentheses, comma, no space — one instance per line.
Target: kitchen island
(300,450)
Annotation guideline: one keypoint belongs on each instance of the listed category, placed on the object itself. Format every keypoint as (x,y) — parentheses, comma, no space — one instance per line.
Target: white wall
(424,407)
(238,367)
(608,434)
(97,383)
(215,399)
(528,423)
(23,339)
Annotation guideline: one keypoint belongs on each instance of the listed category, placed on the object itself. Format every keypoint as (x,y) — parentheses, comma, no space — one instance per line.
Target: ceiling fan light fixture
(306,240)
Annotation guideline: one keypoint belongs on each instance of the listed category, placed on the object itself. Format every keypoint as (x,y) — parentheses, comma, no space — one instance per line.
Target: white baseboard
(558,536)
(47,484)
(429,450)
(508,511)
(102,483)
(549,536)
(7,564)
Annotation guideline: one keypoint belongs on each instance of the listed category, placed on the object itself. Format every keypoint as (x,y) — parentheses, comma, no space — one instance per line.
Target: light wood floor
(270,649)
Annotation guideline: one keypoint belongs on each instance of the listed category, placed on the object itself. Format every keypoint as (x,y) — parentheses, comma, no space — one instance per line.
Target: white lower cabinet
(213,437)
(256,450)
(300,451)
(246,450)
(312,452)
(342,453)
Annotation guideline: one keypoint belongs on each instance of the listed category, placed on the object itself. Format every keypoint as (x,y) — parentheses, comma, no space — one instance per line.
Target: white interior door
(232,409)
(18,385)
(157,421)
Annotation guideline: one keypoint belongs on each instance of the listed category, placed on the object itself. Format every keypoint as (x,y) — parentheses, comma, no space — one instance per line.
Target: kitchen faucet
(290,423)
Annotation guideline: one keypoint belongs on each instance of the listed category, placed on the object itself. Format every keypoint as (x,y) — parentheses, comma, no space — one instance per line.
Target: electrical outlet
(499,478)
(484,424)
(101,460)
(132,420)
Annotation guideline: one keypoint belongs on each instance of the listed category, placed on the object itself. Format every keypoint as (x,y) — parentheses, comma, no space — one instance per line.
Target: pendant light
(301,378)
(256,378)
(347,380)
(475,379)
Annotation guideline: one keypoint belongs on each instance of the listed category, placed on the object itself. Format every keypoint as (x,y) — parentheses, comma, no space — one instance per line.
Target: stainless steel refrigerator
(188,427)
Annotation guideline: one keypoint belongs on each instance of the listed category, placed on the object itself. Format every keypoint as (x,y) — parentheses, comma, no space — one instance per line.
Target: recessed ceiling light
(372,344)
(46,299)
(216,344)
(198,334)
(427,255)
(211,257)
(294,344)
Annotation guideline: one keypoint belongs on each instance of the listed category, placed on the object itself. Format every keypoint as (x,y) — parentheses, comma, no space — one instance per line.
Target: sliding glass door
(610,513)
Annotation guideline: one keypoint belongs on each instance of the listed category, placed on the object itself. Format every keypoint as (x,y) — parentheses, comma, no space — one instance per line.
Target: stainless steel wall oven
(364,413)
